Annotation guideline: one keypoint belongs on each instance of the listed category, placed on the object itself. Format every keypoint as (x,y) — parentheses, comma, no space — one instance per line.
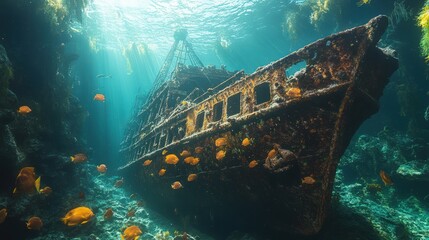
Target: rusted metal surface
(298,129)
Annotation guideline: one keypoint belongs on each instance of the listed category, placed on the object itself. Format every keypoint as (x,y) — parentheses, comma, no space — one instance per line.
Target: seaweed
(423,23)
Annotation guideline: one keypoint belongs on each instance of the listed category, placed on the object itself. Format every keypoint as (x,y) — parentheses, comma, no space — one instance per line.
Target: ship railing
(328,64)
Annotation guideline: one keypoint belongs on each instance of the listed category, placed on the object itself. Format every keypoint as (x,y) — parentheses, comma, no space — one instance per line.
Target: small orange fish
(245,142)
(131,233)
(185,153)
(76,216)
(220,142)
(26,181)
(385,178)
(24,110)
(308,180)
(171,159)
(108,214)
(119,182)
(253,164)
(293,92)
(34,223)
(188,160)
(147,162)
(99,97)
(3,215)
(192,177)
(78,158)
(272,153)
(102,168)
(176,185)
(199,150)
(220,155)
(131,213)
(195,161)
(46,191)
(140,203)
(162,172)
(164,151)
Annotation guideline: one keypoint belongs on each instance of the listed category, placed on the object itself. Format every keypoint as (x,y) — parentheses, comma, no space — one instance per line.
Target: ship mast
(181,53)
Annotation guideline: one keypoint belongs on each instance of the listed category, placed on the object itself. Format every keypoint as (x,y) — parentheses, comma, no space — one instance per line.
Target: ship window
(262,92)
(181,130)
(292,70)
(217,111)
(200,121)
(233,104)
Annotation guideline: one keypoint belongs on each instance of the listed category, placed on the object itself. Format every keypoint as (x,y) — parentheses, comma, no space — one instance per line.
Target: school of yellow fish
(221,143)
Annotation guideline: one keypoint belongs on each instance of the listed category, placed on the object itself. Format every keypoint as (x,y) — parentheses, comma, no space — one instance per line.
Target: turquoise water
(62,56)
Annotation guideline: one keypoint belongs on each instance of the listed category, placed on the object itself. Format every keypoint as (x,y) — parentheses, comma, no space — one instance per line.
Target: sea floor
(99,195)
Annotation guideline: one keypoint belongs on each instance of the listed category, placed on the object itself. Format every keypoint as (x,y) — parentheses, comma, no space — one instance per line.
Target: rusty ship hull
(295,128)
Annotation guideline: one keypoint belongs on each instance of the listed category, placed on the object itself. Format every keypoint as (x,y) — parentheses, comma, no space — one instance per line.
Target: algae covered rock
(414,171)
(5,75)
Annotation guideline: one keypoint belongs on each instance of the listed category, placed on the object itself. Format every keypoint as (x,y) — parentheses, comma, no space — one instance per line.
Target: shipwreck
(263,147)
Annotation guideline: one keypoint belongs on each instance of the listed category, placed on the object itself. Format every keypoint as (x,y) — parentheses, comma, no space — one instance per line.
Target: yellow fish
(102,168)
(220,142)
(164,151)
(192,177)
(131,233)
(76,216)
(220,155)
(24,110)
(189,160)
(34,223)
(199,150)
(245,142)
(171,159)
(185,153)
(26,181)
(162,172)
(253,164)
(385,178)
(272,153)
(99,97)
(308,180)
(176,185)
(78,158)
(195,161)
(147,162)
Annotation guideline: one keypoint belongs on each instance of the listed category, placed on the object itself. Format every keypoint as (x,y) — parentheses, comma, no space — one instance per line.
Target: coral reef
(34,35)
(395,211)
(8,103)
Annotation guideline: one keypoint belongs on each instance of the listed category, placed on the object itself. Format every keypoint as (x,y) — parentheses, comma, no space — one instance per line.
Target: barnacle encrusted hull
(298,127)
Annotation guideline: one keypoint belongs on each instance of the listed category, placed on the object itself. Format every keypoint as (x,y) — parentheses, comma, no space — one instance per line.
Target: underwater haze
(214,119)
